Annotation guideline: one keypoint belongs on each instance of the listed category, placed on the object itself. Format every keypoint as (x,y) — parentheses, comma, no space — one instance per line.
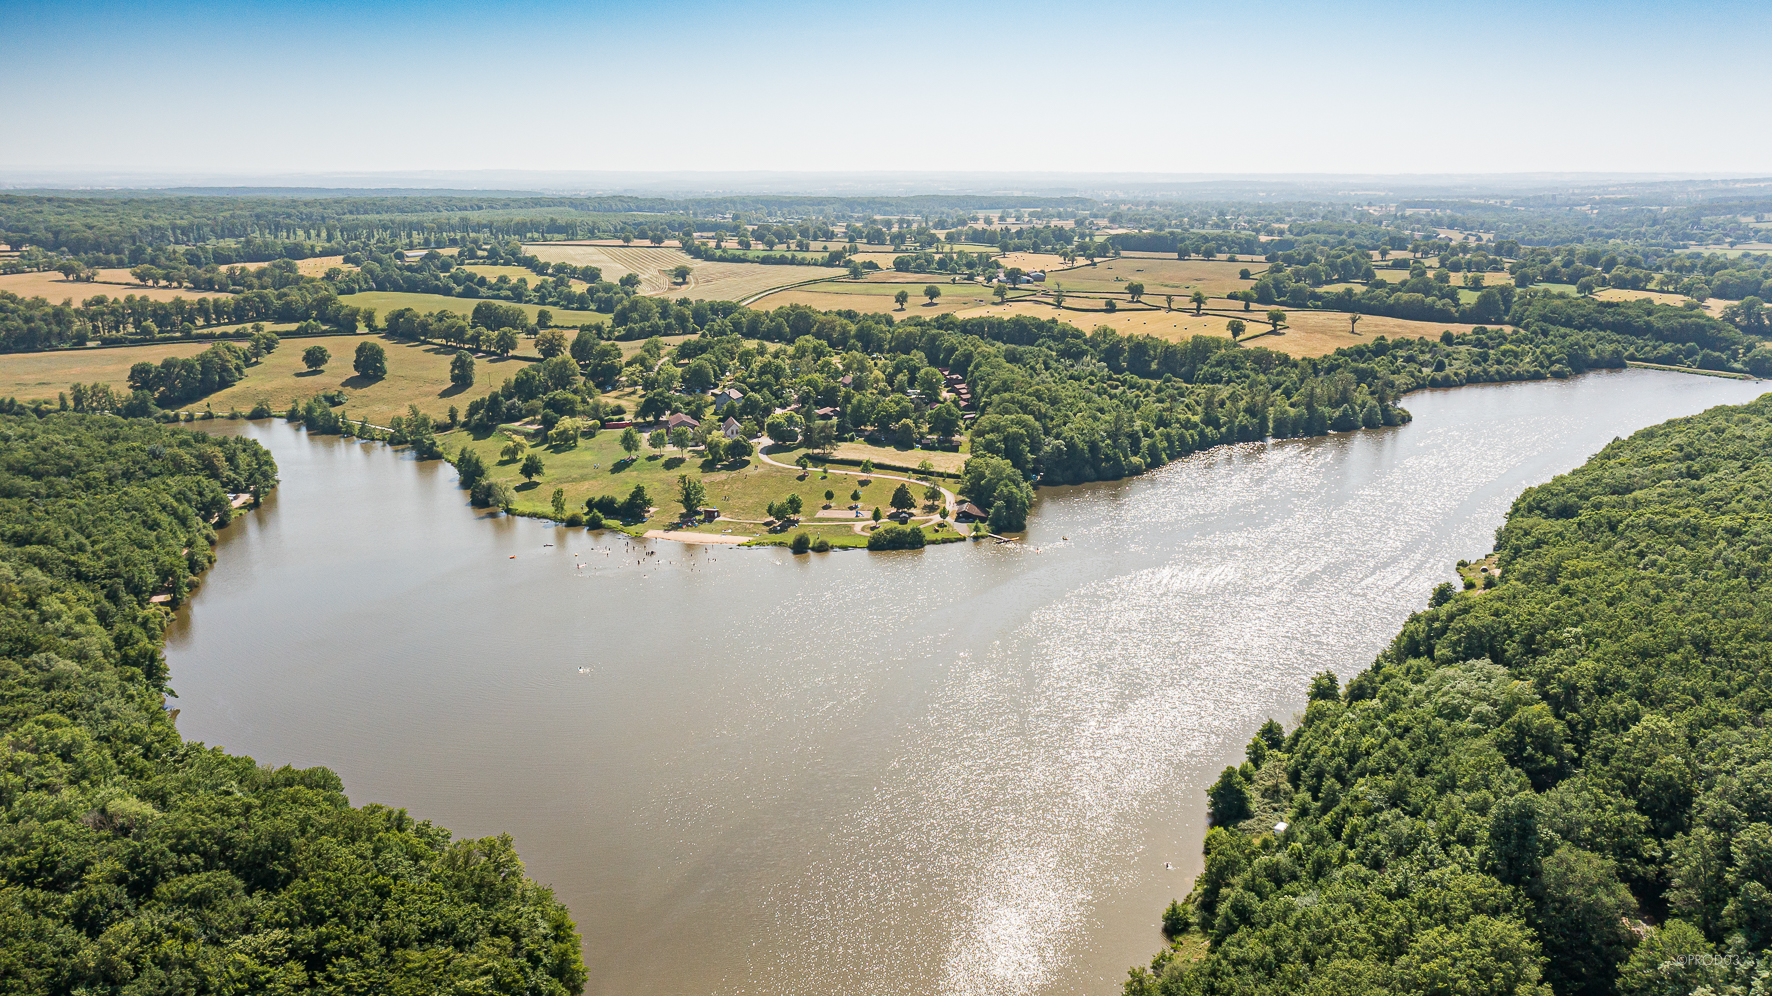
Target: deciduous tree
(371,361)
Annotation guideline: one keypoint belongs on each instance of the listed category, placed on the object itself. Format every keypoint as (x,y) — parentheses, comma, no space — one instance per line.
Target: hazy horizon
(871,183)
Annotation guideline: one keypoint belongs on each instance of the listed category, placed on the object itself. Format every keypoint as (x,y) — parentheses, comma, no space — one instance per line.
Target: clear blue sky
(1282,86)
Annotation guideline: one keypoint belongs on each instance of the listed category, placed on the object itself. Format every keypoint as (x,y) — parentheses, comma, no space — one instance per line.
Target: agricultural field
(386,301)
(655,266)
(1160,275)
(315,266)
(515,273)
(1713,306)
(1309,333)
(1031,261)
(112,283)
(876,296)
(417,374)
(1315,333)
(34,376)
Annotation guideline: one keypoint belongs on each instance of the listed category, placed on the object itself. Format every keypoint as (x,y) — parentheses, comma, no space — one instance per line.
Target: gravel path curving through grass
(949,499)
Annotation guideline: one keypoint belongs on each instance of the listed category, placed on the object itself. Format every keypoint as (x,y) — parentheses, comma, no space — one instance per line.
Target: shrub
(594,520)
(801,543)
(821,545)
(576,519)
(260,410)
(1177,919)
(896,537)
(492,494)
(471,466)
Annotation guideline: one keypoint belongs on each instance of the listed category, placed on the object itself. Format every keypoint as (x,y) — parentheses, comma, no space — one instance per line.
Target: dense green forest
(1562,784)
(134,862)
(115,226)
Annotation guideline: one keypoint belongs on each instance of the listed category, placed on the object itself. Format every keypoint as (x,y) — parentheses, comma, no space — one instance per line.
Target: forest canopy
(132,861)
(1559,784)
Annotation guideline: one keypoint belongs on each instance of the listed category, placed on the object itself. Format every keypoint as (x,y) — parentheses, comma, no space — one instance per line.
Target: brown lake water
(956,771)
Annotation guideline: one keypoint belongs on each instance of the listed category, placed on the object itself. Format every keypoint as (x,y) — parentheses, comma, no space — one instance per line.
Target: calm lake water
(955,771)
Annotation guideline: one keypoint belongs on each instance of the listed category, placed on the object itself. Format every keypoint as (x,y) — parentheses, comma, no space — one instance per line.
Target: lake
(972,769)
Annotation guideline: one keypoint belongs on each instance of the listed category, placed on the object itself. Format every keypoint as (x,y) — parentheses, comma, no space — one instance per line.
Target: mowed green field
(386,301)
(742,492)
(596,467)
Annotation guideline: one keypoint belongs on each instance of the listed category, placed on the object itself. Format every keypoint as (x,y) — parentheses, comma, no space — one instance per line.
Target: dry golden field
(1035,261)
(315,266)
(52,286)
(707,281)
(876,296)
(1160,276)
(1309,333)
(30,376)
(417,374)
(493,272)
(1314,333)
(1712,306)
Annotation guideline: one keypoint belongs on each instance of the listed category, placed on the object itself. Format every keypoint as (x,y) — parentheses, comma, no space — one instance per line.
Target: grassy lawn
(887,458)
(848,538)
(417,375)
(386,301)
(597,467)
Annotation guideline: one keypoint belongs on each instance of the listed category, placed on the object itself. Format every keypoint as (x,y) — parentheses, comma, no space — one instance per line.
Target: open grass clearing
(655,265)
(1031,261)
(1316,333)
(887,458)
(1159,276)
(492,271)
(1738,249)
(1310,333)
(417,375)
(32,376)
(386,301)
(1172,325)
(315,266)
(1713,306)
(897,278)
(877,297)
